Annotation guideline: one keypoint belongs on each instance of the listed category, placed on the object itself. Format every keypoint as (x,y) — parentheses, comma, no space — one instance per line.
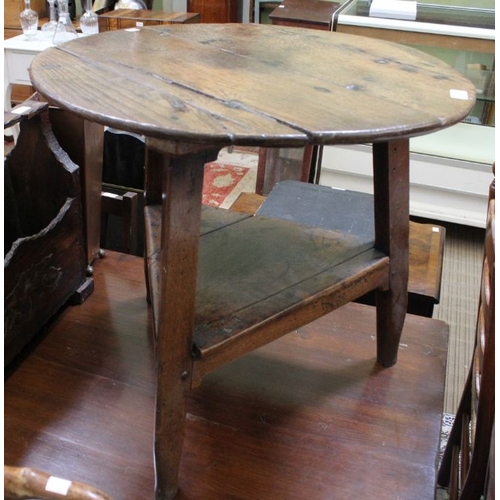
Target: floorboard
(311,415)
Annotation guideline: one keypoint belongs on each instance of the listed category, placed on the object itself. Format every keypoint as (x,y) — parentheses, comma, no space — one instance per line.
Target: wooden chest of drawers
(129,18)
(315,14)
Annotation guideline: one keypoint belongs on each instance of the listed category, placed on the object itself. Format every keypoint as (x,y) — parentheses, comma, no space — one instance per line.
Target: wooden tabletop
(252,84)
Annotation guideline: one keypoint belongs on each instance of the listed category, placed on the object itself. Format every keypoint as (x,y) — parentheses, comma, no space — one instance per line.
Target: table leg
(84,142)
(7,105)
(391,189)
(181,213)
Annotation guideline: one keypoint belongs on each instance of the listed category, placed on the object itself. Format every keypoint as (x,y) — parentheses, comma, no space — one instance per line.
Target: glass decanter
(29,21)
(89,20)
(65,30)
(50,25)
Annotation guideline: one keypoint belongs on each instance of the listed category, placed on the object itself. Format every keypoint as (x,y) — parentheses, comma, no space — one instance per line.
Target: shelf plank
(259,278)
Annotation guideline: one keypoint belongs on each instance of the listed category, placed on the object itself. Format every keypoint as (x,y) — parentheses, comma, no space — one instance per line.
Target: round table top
(249,84)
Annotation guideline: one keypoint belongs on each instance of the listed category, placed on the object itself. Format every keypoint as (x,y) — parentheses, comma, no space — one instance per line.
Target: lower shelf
(259,278)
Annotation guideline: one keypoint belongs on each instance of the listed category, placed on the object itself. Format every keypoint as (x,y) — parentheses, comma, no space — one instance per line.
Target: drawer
(18,64)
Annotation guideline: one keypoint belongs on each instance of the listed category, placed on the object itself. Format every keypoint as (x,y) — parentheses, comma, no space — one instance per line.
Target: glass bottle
(29,21)
(89,20)
(50,25)
(65,30)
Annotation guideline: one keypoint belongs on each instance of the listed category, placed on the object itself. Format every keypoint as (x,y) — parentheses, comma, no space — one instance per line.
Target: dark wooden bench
(44,256)
(426,240)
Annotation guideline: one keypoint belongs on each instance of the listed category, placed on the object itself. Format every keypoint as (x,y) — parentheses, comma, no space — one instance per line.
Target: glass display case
(451,169)
(460,32)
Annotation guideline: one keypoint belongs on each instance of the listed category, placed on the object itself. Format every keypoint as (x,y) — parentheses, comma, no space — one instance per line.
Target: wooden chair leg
(278,164)
(446,469)
(453,489)
(129,222)
(104,226)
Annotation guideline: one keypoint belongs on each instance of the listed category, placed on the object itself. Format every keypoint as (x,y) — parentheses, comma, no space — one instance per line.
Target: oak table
(192,90)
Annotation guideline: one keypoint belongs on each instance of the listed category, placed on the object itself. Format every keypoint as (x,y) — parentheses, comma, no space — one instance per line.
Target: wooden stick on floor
(22,483)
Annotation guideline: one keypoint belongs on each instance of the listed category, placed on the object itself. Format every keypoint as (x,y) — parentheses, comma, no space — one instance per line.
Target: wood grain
(314,14)
(130,18)
(84,143)
(465,468)
(258,278)
(23,483)
(215,11)
(426,250)
(391,186)
(191,89)
(224,83)
(44,257)
(308,416)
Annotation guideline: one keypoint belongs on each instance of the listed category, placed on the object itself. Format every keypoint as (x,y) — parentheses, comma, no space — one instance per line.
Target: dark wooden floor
(310,416)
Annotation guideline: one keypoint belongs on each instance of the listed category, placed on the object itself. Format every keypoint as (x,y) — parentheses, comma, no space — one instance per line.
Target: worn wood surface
(465,466)
(248,203)
(215,11)
(270,277)
(44,257)
(278,164)
(223,84)
(130,18)
(314,14)
(29,107)
(181,214)
(24,483)
(426,250)
(84,143)
(308,416)
(391,196)
(211,220)
(425,261)
(191,89)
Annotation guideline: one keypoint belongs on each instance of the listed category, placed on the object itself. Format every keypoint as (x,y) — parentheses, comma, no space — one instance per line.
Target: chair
(24,483)
(465,465)
(302,164)
(279,164)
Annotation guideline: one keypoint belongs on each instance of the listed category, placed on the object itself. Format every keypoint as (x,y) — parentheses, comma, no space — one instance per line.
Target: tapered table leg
(391,190)
(181,211)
